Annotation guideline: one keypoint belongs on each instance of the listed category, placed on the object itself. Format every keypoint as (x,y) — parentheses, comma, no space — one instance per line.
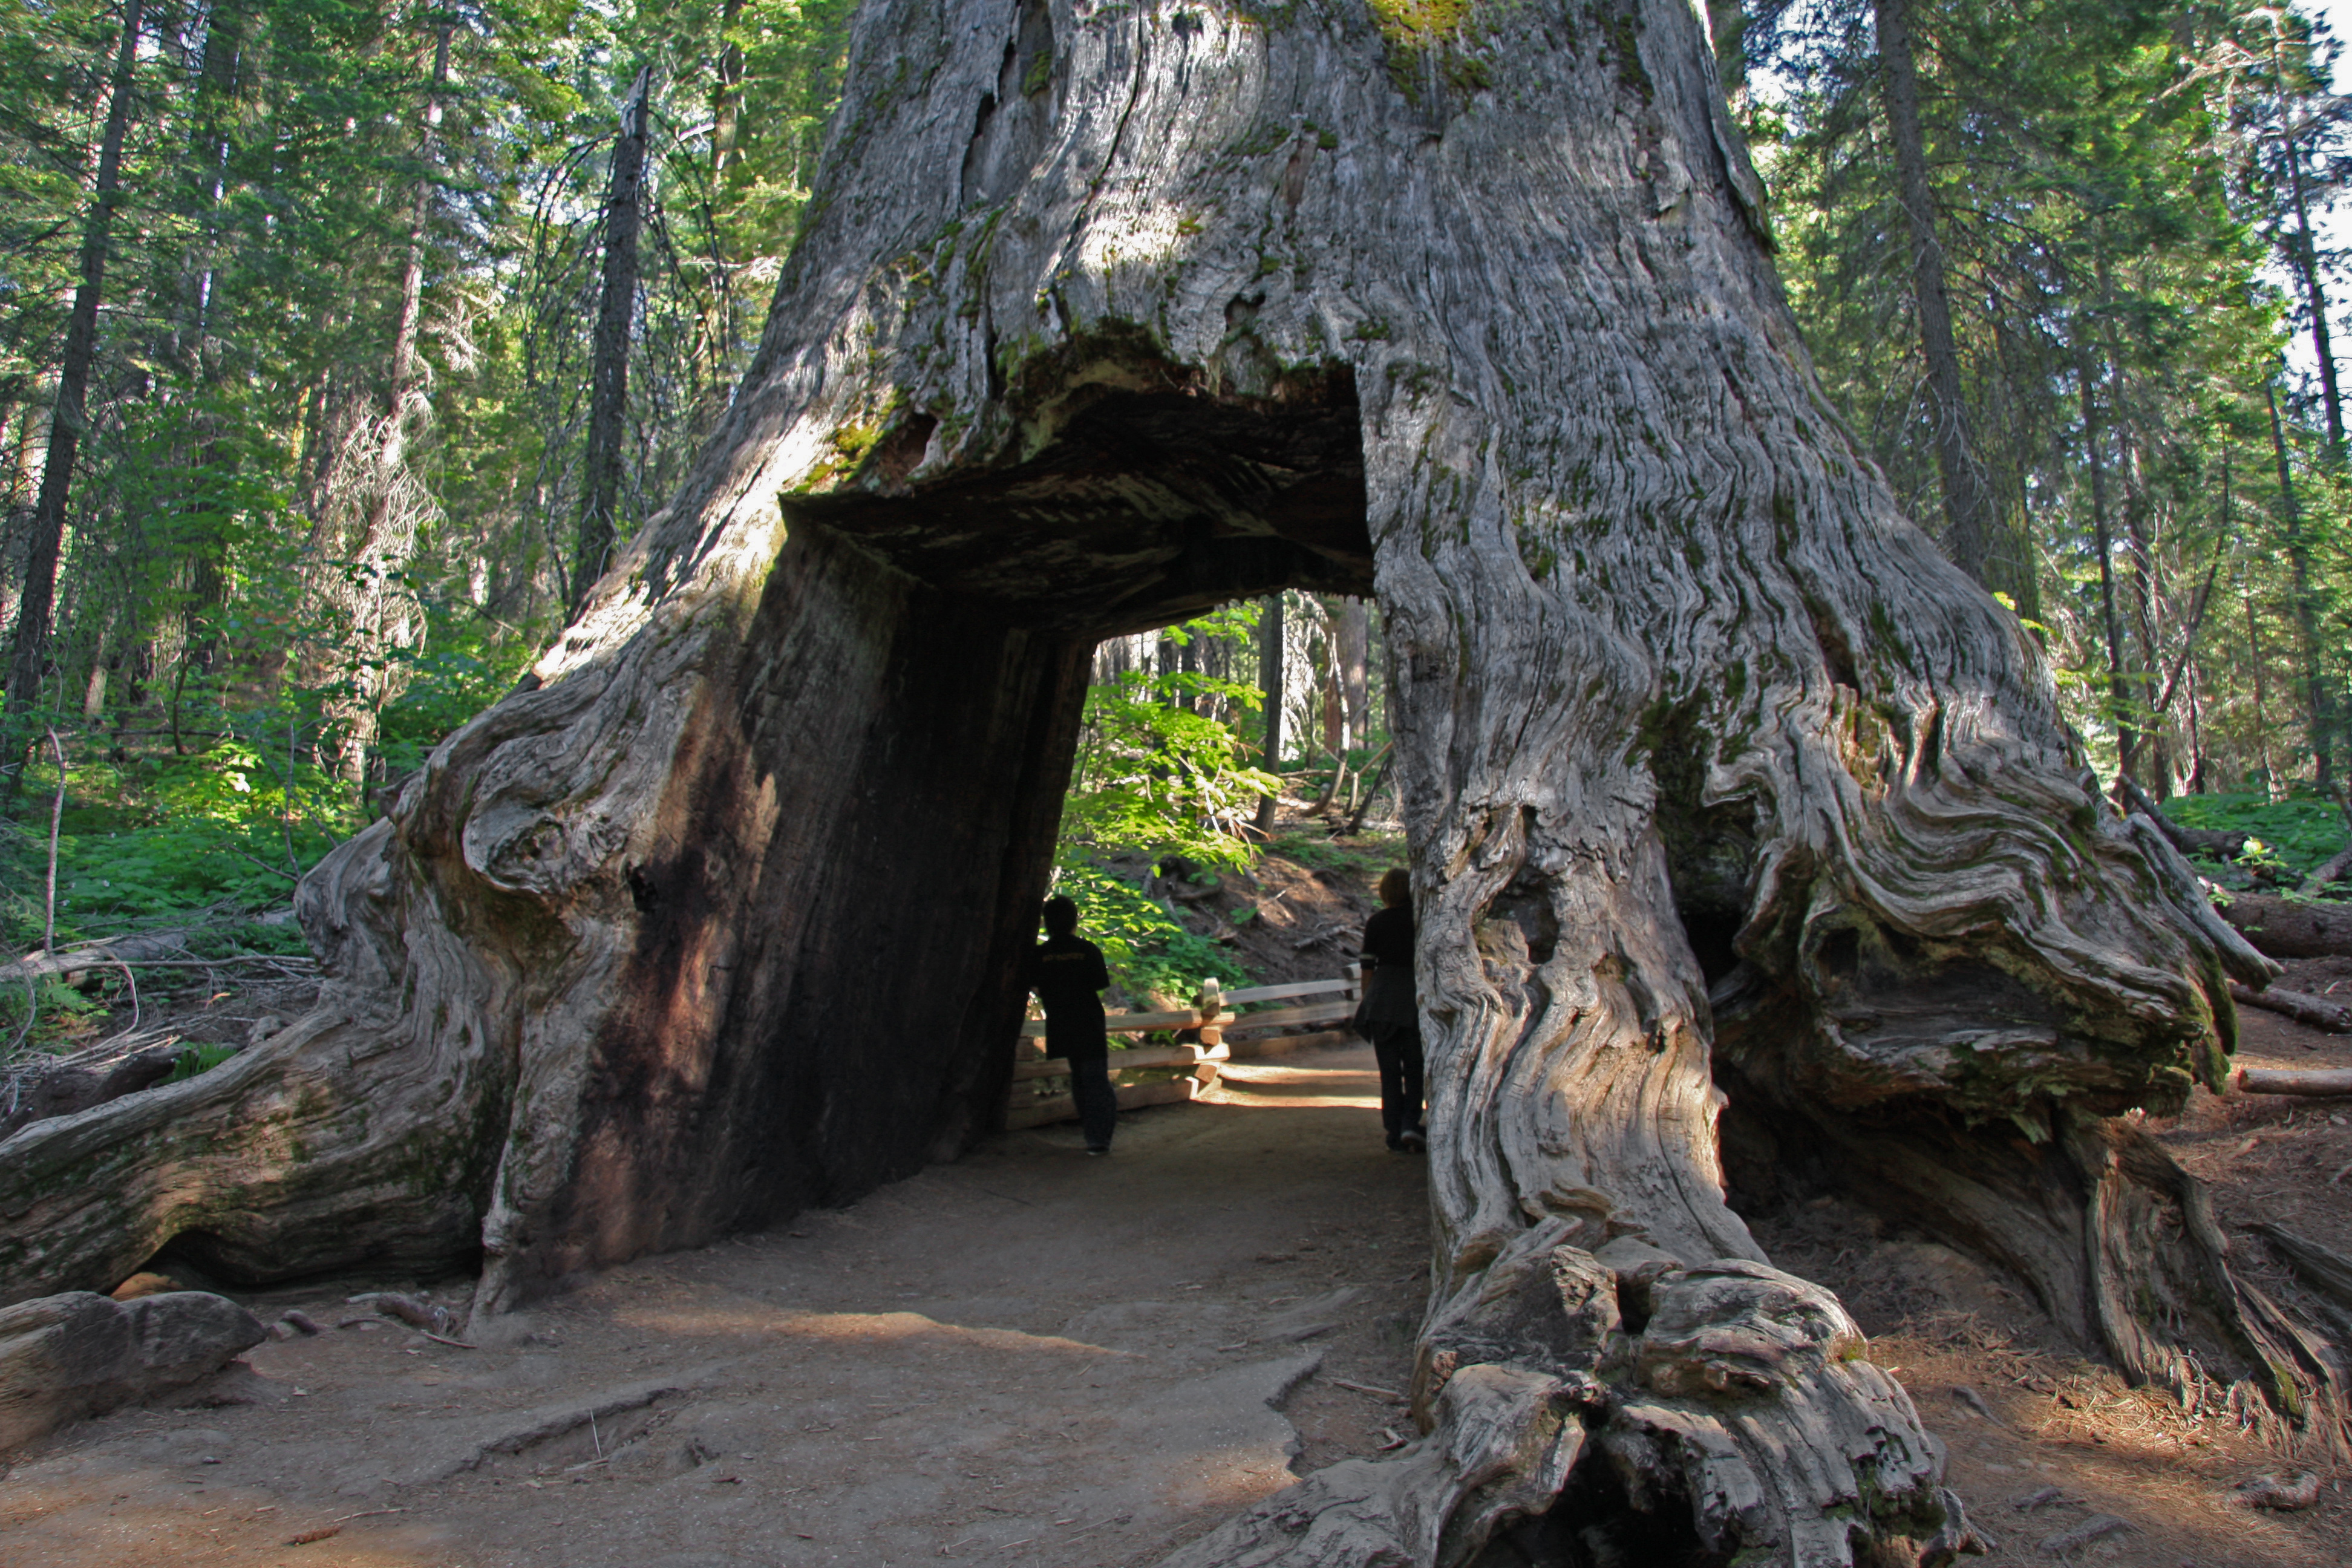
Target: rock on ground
(65,1357)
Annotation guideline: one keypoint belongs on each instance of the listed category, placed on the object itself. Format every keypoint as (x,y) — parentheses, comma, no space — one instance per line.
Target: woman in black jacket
(1392,1012)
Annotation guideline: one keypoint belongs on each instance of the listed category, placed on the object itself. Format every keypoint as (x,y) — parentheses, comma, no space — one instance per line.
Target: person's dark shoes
(1396,1143)
(1098,1148)
(1413,1138)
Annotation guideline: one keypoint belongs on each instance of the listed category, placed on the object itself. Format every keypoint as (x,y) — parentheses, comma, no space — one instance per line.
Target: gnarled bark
(1103,316)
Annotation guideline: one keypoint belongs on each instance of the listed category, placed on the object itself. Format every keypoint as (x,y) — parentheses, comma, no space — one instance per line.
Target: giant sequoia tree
(1107,313)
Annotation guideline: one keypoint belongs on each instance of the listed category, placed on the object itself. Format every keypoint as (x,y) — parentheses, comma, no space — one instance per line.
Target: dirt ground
(2037,1415)
(1034,1357)
(1029,1356)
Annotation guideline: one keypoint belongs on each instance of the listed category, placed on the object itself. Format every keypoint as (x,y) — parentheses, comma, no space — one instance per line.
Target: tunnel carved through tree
(1104,314)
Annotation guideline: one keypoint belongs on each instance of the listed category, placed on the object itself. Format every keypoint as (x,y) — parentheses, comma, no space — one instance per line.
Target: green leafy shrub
(1143,946)
(2298,833)
(199,1059)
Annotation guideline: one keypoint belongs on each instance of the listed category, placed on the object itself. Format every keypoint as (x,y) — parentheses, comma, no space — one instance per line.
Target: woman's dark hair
(1396,888)
(1061,917)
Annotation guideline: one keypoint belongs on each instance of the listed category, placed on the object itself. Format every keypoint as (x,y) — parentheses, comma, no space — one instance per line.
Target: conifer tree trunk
(38,598)
(608,394)
(2318,697)
(364,587)
(1968,499)
(1716,777)
(1271,654)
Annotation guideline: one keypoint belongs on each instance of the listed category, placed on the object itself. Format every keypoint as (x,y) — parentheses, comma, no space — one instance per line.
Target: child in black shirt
(1066,972)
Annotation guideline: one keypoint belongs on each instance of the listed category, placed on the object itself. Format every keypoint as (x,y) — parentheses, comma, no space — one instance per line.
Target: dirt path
(1030,1357)
(1033,1357)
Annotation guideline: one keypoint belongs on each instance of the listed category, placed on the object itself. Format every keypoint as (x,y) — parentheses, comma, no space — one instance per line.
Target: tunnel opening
(1147,500)
(825,991)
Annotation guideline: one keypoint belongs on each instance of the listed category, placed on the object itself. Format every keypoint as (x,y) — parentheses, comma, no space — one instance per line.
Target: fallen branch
(2324,1270)
(2187,840)
(141,949)
(2273,1080)
(2316,1011)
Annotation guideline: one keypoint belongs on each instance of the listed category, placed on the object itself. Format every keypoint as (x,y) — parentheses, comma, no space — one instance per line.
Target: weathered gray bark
(1107,315)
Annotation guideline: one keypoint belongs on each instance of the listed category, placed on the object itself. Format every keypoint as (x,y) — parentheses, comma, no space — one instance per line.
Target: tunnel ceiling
(1147,507)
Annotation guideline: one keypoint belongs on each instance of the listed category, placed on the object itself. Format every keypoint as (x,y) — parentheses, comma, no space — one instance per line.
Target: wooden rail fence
(1041,1093)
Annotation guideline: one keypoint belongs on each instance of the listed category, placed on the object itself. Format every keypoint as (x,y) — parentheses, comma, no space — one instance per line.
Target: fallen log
(2283,929)
(2316,1011)
(2280,1081)
(2187,840)
(142,948)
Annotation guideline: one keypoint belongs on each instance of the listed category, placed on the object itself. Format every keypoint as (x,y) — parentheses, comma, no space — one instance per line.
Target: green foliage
(1363,857)
(64,1018)
(1158,775)
(2297,834)
(1144,947)
(153,836)
(197,1060)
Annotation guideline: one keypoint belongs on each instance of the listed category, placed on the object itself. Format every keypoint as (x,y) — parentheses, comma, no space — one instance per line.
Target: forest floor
(1031,1357)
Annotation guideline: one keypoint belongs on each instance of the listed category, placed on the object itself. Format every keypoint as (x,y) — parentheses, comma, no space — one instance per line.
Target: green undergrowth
(2287,838)
(199,1059)
(1364,857)
(1146,949)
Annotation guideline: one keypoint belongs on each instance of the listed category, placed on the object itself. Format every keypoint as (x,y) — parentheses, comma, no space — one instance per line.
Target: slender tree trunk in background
(2149,737)
(2318,707)
(211,145)
(2261,720)
(608,385)
(2315,300)
(1270,651)
(1351,632)
(2094,449)
(365,585)
(727,93)
(1968,497)
(70,417)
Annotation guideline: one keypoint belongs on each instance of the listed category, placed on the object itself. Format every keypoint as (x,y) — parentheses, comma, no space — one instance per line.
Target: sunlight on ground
(848,1328)
(1272,1086)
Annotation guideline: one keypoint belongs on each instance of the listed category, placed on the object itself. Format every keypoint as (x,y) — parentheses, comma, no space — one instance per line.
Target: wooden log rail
(1032,1103)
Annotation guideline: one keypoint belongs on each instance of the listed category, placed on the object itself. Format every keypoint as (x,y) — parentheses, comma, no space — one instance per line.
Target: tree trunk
(1968,497)
(2304,252)
(1271,656)
(69,416)
(1103,318)
(2319,710)
(379,615)
(1351,635)
(616,309)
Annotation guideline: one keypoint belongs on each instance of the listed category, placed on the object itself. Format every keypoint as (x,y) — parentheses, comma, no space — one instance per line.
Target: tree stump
(1106,314)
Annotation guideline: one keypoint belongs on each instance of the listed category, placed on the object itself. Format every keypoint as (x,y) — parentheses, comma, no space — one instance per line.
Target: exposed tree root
(1601,1407)
(2113,1238)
